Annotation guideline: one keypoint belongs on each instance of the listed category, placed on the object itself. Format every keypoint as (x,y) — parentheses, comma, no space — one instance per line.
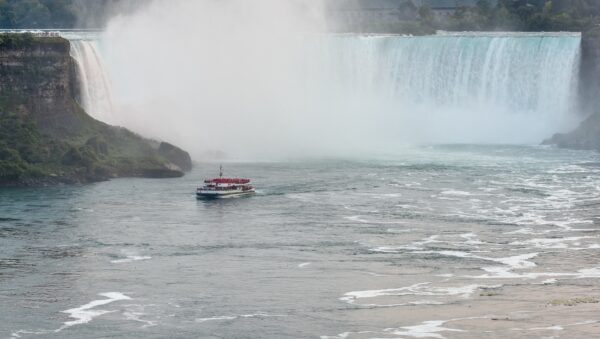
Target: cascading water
(346,91)
(500,88)
(95,93)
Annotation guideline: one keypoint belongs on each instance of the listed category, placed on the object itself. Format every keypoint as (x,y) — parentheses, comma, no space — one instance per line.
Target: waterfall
(345,91)
(469,87)
(95,93)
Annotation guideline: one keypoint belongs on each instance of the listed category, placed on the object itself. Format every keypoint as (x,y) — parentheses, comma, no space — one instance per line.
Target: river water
(432,242)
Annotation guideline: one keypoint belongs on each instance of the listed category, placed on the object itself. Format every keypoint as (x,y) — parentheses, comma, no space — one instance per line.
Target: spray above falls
(238,78)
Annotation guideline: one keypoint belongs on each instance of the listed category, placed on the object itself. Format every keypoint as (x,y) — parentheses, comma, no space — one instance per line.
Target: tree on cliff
(37,14)
(17,14)
(524,15)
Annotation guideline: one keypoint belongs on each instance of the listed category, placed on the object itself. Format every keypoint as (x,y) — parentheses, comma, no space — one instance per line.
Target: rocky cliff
(587,136)
(47,138)
(590,69)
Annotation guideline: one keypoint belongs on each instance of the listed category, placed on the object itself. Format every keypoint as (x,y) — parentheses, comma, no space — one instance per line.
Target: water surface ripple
(438,242)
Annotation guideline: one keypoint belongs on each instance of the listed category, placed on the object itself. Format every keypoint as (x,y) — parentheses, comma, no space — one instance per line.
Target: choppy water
(446,241)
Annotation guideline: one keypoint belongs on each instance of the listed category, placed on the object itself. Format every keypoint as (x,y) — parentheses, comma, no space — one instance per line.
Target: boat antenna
(220,171)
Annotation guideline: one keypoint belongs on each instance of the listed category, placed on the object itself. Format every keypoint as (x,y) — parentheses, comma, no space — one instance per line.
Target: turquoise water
(386,246)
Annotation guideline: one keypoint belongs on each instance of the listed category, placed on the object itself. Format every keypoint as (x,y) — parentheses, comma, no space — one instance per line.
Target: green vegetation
(37,14)
(49,14)
(24,152)
(518,15)
(91,151)
(15,40)
(489,15)
(47,138)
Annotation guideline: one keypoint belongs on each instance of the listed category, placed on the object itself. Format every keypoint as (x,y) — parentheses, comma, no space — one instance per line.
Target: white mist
(259,79)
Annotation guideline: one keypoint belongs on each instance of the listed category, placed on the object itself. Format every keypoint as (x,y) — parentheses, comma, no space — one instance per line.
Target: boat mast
(220,171)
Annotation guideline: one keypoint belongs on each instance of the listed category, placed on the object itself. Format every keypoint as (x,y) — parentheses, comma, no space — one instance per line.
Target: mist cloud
(260,80)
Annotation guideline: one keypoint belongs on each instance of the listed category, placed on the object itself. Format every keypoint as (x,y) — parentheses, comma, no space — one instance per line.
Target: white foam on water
(514,262)
(396,230)
(86,313)
(135,312)
(427,329)
(137,316)
(414,246)
(395,249)
(82,315)
(360,210)
(361,219)
(551,328)
(568,169)
(456,193)
(499,272)
(131,258)
(552,243)
(384,195)
(518,261)
(589,273)
(586,322)
(304,197)
(426,302)
(343,335)
(350,297)
(527,231)
(557,327)
(374,274)
(420,289)
(357,218)
(488,189)
(304,264)
(239,316)
(408,206)
(471,239)
(20,333)
(505,272)
(222,317)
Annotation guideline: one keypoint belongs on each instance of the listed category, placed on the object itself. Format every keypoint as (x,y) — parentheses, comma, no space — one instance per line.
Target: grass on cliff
(92,151)
(22,40)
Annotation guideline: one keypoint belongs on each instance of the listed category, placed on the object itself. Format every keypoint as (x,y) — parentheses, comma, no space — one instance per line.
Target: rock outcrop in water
(45,135)
(175,155)
(586,137)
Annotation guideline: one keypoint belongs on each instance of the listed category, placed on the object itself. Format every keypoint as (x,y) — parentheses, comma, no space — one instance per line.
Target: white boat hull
(211,194)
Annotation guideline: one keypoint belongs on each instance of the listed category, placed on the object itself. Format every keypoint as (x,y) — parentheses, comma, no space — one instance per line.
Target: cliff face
(590,69)
(587,135)
(37,80)
(47,138)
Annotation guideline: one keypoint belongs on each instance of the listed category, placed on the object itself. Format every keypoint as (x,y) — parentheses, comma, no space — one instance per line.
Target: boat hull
(223,194)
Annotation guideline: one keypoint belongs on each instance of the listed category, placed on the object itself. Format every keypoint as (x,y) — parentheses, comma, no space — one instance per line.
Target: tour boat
(225,187)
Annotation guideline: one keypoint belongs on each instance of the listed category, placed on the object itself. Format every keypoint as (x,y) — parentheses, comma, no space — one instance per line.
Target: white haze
(253,80)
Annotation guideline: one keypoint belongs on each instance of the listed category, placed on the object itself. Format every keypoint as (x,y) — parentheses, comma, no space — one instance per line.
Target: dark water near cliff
(447,241)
